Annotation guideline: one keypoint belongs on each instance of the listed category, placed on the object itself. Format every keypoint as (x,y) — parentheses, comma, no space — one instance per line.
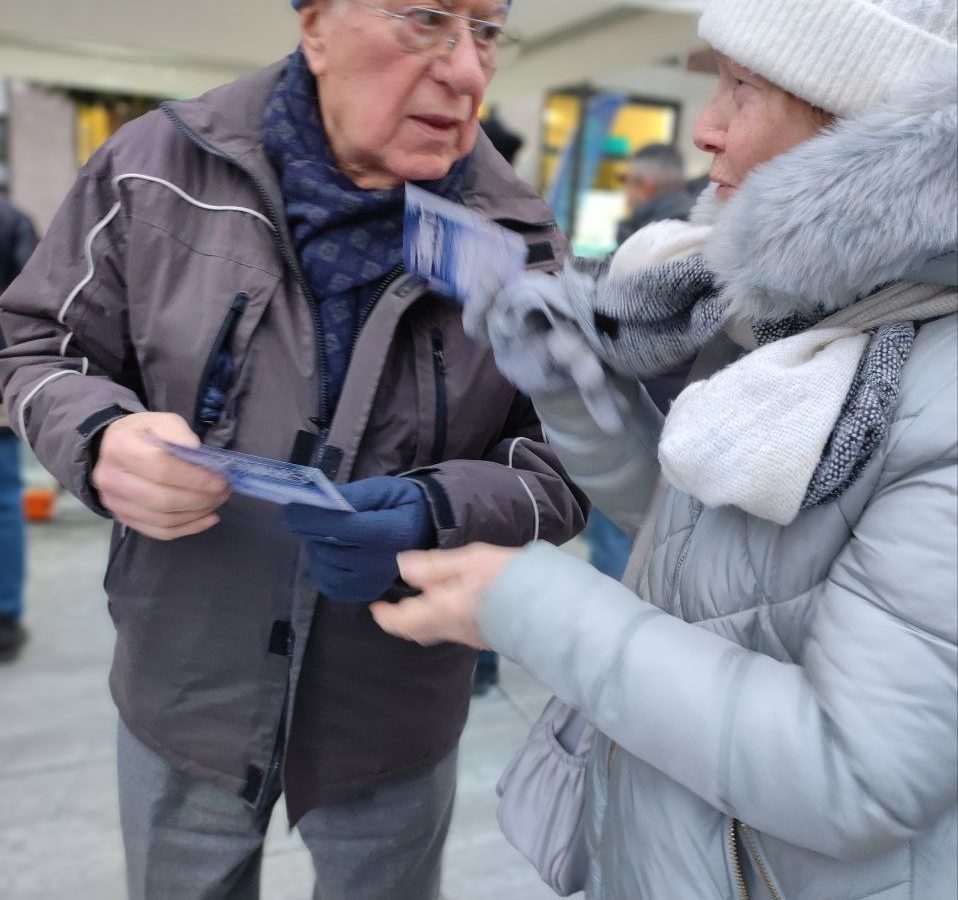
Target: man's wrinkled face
(749,122)
(390,115)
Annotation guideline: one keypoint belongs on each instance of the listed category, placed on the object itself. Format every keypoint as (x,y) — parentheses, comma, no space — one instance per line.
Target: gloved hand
(352,556)
(536,327)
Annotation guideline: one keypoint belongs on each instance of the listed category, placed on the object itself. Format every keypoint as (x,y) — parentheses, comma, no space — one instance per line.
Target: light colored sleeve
(847,752)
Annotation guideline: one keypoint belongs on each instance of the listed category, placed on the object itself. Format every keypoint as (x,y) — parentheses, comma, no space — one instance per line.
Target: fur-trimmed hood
(856,207)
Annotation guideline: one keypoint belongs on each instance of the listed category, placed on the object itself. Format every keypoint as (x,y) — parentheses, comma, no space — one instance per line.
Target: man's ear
(315,26)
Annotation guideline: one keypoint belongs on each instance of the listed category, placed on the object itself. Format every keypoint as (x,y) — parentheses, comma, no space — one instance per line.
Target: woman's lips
(724,190)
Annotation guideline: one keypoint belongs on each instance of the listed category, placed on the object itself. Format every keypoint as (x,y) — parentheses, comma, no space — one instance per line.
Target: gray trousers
(190,840)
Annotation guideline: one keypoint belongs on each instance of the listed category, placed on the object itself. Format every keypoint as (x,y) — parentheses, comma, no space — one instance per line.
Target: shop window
(588,136)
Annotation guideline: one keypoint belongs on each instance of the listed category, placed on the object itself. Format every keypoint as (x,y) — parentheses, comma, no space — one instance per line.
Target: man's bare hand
(148,489)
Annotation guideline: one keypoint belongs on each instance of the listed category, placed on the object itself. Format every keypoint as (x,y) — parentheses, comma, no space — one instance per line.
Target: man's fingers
(129,444)
(119,485)
(170,533)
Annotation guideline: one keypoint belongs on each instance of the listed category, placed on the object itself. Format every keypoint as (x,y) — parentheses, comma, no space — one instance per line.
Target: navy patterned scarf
(348,240)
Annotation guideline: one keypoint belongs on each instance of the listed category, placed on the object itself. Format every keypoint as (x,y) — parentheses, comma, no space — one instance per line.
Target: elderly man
(655,189)
(229,269)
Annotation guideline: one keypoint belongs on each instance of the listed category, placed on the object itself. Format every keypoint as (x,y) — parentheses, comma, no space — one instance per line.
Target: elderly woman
(775,683)
(230,269)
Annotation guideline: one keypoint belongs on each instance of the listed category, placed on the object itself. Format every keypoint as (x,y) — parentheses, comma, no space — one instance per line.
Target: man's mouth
(438,124)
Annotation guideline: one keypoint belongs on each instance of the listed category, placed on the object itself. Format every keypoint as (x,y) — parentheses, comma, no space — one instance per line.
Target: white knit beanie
(840,55)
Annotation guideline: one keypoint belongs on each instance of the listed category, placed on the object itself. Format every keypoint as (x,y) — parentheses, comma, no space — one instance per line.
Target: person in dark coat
(655,189)
(17,240)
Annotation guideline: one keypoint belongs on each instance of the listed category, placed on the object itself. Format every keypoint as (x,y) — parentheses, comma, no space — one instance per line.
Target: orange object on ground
(38,504)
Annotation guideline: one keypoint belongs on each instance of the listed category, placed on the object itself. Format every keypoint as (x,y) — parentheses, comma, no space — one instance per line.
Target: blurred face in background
(639,188)
(749,122)
(392,115)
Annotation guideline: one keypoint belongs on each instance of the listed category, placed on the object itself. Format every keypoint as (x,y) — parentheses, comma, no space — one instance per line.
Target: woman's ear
(316,21)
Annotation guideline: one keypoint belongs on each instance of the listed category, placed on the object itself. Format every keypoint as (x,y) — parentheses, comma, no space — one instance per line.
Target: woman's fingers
(426,568)
(453,584)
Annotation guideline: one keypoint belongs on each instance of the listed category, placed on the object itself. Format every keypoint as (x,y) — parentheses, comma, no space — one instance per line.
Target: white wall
(42,150)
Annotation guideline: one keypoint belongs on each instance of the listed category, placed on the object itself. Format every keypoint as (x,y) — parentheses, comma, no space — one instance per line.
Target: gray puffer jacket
(783,700)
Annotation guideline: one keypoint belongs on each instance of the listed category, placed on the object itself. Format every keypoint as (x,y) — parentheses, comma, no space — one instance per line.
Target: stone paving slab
(59,834)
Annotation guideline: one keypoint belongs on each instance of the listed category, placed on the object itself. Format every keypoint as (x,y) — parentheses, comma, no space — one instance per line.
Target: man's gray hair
(660,163)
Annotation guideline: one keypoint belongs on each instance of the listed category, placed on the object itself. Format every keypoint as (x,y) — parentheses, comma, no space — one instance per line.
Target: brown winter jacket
(172,242)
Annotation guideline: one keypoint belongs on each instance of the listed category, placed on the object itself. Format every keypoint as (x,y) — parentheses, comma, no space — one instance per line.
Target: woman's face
(748,122)
(393,116)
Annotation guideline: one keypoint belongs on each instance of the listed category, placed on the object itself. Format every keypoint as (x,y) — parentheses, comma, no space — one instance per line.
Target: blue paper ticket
(461,253)
(264,479)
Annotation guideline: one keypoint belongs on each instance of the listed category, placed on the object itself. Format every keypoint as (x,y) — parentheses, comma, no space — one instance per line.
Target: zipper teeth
(383,286)
(288,257)
(736,859)
(757,857)
(610,767)
(442,402)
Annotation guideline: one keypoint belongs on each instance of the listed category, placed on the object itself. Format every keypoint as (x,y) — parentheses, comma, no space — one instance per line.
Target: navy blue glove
(352,556)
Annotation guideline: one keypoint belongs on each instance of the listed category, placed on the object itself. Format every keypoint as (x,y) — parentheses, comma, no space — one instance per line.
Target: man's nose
(461,68)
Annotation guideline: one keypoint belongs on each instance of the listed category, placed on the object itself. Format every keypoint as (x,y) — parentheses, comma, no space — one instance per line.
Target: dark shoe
(12,637)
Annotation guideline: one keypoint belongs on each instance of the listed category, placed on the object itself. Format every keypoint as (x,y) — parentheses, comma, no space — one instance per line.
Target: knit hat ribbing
(840,55)
(298,4)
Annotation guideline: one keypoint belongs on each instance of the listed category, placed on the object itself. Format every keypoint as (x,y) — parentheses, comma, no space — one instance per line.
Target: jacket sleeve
(846,753)
(617,472)
(69,368)
(517,493)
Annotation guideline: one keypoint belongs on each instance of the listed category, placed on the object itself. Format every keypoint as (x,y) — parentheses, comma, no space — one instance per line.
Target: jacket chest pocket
(227,366)
(439,372)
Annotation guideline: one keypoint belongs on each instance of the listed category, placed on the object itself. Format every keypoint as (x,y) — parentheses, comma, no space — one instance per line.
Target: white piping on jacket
(528,490)
(39,386)
(91,271)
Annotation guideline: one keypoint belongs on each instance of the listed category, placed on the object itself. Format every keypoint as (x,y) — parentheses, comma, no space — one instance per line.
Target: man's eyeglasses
(437,33)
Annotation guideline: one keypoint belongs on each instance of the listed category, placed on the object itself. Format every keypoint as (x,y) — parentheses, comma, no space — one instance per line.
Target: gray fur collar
(843,213)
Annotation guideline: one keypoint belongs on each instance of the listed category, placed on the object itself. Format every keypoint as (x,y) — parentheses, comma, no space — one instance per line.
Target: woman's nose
(709,132)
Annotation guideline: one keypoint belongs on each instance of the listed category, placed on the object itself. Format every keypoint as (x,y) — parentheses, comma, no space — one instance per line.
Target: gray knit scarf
(651,322)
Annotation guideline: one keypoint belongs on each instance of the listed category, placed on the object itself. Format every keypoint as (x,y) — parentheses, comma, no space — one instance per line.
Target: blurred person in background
(17,241)
(655,189)
(776,682)
(229,269)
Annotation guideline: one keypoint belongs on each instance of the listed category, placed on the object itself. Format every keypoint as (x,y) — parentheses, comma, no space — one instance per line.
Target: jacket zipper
(759,862)
(521,227)
(609,771)
(442,400)
(735,851)
(370,304)
(284,250)
(202,425)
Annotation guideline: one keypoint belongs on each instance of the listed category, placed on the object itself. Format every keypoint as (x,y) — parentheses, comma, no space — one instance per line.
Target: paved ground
(59,838)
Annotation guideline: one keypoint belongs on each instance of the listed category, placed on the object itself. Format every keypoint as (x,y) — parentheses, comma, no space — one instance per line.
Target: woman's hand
(453,583)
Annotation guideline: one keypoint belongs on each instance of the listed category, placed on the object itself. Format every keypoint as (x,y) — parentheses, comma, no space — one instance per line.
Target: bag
(542,797)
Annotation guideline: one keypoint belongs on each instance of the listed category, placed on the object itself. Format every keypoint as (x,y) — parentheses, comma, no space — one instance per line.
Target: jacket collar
(228,120)
(866,203)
